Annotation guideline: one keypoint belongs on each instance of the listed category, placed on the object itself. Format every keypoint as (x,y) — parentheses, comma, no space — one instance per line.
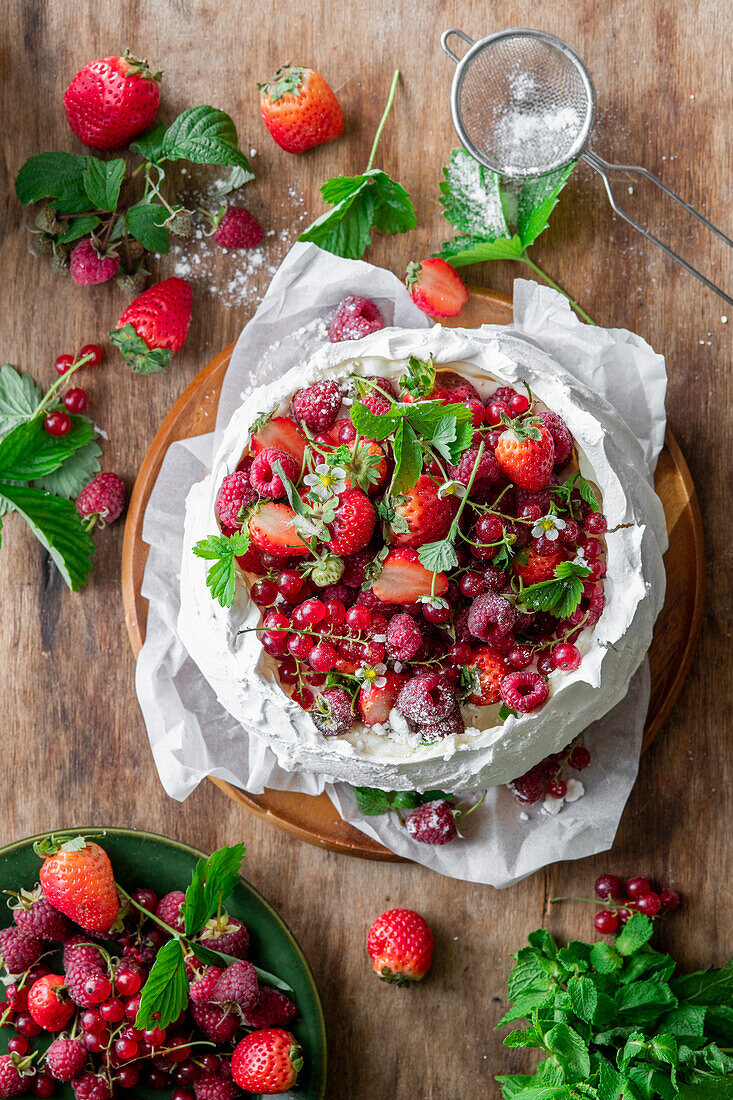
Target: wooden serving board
(314,819)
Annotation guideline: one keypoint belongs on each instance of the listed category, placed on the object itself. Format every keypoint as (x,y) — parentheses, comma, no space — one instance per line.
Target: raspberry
(355,568)
(403,637)
(332,713)
(103,497)
(317,406)
(238,229)
(169,909)
(451,725)
(66,1058)
(354,317)
(273,1009)
(375,605)
(488,467)
(376,400)
(524,691)
(529,787)
(235,493)
(226,934)
(209,1086)
(561,437)
(78,951)
(91,1087)
(490,610)
(18,951)
(37,917)
(426,698)
(87,986)
(12,1081)
(238,984)
(432,823)
(87,267)
(579,758)
(262,476)
(201,988)
(216,1024)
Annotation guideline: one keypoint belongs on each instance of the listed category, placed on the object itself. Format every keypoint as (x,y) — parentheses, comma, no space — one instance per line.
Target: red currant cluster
(57,422)
(635,896)
(546,777)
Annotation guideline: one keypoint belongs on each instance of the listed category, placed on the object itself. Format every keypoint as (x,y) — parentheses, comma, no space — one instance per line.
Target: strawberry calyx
(63,842)
(526,426)
(139,67)
(287,80)
(414,271)
(295,1055)
(141,357)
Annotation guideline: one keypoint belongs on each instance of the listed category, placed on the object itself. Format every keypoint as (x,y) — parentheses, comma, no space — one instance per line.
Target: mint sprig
(222,575)
(616,1021)
(372,802)
(494,222)
(360,204)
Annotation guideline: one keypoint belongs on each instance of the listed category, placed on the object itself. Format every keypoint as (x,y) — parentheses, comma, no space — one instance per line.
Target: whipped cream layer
(489,752)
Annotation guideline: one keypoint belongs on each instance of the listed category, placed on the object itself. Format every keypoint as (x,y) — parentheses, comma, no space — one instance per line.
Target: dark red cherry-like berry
(608,886)
(606,922)
(94,351)
(635,887)
(63,363)
(57,423)
(76,400)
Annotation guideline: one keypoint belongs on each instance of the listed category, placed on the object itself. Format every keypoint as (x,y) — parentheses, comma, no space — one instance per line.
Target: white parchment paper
(192,735)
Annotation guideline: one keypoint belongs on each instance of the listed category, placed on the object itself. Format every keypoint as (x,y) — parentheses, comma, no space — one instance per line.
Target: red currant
(529,511)
(91,1021)
(670,899)
(493,437)
(147,898)
(566,657)
(570,532)
(460,653)
(300,646)
(96,1041)
(132,1007)
(183,1094)
(649,904)
(128,982)
(520,656)
(546,664)
(186,1073)
(275,622)
(439,614)
(518,404)
(57,423)
(623,914)
(345,431)
(209,1063)
(472,585)
(157,1080)
(595,523)
(335,613)
(288,670)
(94,351)
(26,1026)
(275,644)
(358,618)
(16,1045)
(608,886)
(494,412)
(263,592)
(557,788)
(112,1011)
(126,1049)
(592,549)
(76,400)
(178,1049)
(127,1077)
(155,1036)
(289,583)
(489,528)
(43,1085)
(63,363)
(635,887)
(606,922)
(323,657)
(579,758)
(17,997)
(310,612)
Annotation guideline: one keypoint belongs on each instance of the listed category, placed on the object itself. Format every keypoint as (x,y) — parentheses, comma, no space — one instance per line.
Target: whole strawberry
(436,288)
(110,101)
(354,523)
(400,945)
(78,879)
(153,327)
(14,1080)
(299,109)
(267,1061)
(102,499)
(526,452)
(48,1003)
(18,951)
(235,228)
(88,266)
(66,1058)
(35,916)
(427,515)
(432,823)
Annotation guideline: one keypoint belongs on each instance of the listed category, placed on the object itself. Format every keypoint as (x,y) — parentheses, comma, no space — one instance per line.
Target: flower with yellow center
(549,526)
(326,481)
(372,675)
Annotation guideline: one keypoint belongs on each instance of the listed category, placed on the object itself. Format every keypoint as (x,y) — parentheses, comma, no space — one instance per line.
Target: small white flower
(372,674)
(451,489)
(398,666)
(579,558)
(379,638)
(326,481)
(549,526)
(433,601)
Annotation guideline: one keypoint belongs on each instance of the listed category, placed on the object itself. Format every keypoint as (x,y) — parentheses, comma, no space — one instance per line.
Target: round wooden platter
(314,819)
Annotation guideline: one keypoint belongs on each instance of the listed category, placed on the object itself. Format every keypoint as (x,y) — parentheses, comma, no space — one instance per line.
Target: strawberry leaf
(559,596)
(165,993)
(360,204)
(57,176)
(57,526)
(407,457)
(19,398)
(537,199)
(102,181)
(221,576)
(438,557)
(375,425)
(212,881)
(75,472)
(143,221)
(28,451)
(150,145)
(203,135)
(420,377)
(135,351)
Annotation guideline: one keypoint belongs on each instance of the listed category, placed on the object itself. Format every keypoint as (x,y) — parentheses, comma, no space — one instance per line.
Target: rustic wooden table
(73,741)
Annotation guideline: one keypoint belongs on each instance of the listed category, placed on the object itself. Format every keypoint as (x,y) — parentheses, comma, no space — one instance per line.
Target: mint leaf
(19,398)
(645,1001)
(213,880)
(570,1050)
(203,135)
(135,351)
(636,932)
(505,712)
(57,526)
(713,987)
(102,182)
(407,457)
(28,451)
(143,222)
(75,472)
(604,958)
(222,575)
(165,993)
(584,998)
(587,493)
(371,801)
(438,557)
(537,199)
(359,204)
(150,145)
(58,176)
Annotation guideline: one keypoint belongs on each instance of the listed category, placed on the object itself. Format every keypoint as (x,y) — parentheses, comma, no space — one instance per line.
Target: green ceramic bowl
(145,859)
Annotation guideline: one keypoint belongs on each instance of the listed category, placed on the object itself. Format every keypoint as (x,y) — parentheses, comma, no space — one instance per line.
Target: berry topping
(354,317)
(426,698)
(490,670)
(332,713)
(524,691)
(432,823)
(103,498)
(317,406)
(87,266)
(263,478)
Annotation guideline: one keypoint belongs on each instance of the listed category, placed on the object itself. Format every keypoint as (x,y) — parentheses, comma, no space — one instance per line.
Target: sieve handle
(459,34)
(603,167)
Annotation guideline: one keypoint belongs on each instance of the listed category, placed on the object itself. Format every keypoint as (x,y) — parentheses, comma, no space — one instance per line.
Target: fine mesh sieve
(523,105)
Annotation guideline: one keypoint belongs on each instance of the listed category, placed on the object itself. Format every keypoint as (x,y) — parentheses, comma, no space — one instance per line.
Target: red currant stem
(450,537)
(63,380)
(551,282)
(387,109)
(6,1015)
(102,951)
(607,903)
(465,813)
(160,1051)
(151,916)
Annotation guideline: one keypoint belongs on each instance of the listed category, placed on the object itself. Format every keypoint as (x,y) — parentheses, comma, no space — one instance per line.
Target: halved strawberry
(538,567)
(436,288)
(491,668)
(354,524)
(271,529)
(428,517)
(404,580)
(280,432)
(375,703)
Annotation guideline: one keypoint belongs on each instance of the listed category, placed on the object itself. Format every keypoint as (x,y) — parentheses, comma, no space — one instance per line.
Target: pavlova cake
(422,559)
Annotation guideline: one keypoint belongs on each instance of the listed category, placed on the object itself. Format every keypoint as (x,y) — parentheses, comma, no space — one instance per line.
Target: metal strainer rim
(550,39)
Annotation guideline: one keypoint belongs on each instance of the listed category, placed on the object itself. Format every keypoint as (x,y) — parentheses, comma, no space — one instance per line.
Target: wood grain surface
(74,745)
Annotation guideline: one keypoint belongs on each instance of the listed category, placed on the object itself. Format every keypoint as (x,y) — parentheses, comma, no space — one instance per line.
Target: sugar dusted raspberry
(524,691)
(426,698)
(530,787)
(87,267)
(210,1086)
(273,1009)
(317,406)
(354,317)
(403,637)
(235,493)
(66,1058)
(490,610)
(449,726)
(238,985)
(332,713)
(377,400)
(561,437)
(488,468)
(263,478)
(432,823)
(17,950)
(103,497)
(169,909)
